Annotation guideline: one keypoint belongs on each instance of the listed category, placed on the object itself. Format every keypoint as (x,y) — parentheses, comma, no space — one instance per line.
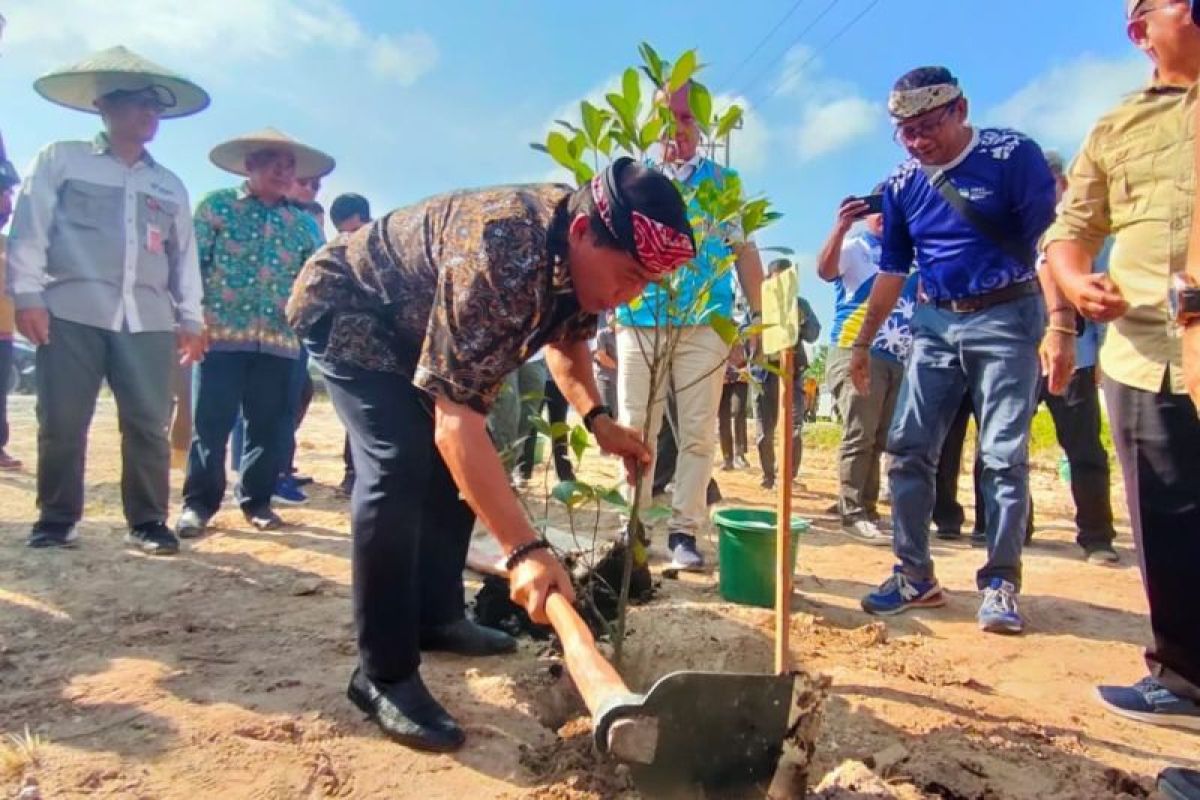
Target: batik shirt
(858,266)
(1006,177)
(250,255)
(455,292)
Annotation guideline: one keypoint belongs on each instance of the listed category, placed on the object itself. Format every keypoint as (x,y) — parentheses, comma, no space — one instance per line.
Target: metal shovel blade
(710,730)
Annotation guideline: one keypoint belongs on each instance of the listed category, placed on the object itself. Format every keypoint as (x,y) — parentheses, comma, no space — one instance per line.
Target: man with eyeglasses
(968,208)
(103,268)
(1134,180)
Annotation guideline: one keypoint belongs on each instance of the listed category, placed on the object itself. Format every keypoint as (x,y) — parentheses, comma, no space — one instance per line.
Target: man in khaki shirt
(1134,180)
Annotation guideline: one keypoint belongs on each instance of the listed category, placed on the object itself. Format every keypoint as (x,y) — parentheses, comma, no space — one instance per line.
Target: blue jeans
(993,355)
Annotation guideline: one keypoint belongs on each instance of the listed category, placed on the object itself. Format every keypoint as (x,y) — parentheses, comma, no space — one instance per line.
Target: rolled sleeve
(1085,215)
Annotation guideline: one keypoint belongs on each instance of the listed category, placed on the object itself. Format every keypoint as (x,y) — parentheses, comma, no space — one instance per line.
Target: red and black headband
(660,248)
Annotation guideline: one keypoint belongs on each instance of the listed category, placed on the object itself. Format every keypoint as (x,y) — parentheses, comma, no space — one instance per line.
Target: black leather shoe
(466,638)
(407,713)
(1179,784)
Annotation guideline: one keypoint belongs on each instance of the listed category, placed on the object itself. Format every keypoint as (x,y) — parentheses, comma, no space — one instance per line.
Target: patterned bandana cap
(660,248)
(911,103)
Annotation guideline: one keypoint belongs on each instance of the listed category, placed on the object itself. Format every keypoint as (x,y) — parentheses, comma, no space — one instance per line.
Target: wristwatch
(1183,301)
(589,419)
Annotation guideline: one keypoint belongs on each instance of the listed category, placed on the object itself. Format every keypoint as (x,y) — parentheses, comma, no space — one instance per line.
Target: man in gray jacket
(103,269)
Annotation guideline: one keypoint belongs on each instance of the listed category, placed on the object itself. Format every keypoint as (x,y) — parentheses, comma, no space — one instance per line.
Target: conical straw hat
(119,69)
(231,156)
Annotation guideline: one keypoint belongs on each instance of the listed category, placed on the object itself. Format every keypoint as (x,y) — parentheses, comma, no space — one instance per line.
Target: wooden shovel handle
(596,679)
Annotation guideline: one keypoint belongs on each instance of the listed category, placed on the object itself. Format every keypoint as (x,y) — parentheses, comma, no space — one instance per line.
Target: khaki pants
(696,373)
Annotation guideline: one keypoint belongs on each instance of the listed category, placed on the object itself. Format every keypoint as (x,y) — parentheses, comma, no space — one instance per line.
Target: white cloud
(833,113)
(832,126)
(236,30)
(1060,106)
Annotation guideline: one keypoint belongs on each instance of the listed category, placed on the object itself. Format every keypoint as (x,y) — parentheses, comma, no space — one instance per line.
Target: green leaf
(560,430)
(614,498)
(654,64)
(650,133)
(729,120)
(631,87)
(560,149)
(724,327)
(593,121)
(625,113)
(683,70)
(572,493)
(540,425)
(541,148)
(605,145)
(700,101)
(580,441)
(583,173)
(579,145)
(655,514)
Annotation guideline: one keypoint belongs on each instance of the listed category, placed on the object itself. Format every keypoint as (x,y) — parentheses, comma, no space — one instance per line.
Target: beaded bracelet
(522,552)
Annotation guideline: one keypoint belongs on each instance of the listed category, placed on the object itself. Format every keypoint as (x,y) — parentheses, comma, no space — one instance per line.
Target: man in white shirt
(104,272)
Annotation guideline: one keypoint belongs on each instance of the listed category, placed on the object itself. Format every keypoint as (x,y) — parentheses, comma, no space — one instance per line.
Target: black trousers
(1157,436)
(556,409)
(768,421)
(410,530)
(731,419)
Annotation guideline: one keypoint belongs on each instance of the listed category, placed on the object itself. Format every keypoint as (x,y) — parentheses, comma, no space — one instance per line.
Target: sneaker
(1176,783)
(740,462)
(8,463)
(153,538)
(1149,701)
(265,520)
(288,493)
(727,466)
(191,524)
(998,613)
(866,532)
(684,555)
(899,593)
(302,480)
(1102,554)
(53,534)
(949,534)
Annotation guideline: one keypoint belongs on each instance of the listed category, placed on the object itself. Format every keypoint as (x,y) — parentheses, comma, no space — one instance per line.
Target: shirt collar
(244,194)
(101,146)
(682,171)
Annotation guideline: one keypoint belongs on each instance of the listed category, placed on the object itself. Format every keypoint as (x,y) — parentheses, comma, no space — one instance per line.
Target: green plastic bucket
(746,545)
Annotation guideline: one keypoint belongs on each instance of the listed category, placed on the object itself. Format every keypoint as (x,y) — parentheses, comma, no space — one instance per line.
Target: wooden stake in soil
(783,536)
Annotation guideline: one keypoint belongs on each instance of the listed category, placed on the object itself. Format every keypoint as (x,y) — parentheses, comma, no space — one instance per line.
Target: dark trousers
(731,419)
(1157,436)
(181,413)
(556,410)
(70,370)
(300,393)
(348,460)
(6,368)
(255,384)
(768,421)
(410,529)
(1077,426)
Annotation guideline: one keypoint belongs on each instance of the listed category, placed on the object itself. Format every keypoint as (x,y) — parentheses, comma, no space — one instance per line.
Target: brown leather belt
(969,305)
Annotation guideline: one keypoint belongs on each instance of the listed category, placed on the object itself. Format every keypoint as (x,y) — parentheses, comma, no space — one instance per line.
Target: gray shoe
(1102,554)
(866,532)
(191,524)
(53,534)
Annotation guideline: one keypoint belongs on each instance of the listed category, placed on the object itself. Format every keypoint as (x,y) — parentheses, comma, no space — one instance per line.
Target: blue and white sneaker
(684,555)
(899,593)
(288,493)
(998,613)
(1150,701)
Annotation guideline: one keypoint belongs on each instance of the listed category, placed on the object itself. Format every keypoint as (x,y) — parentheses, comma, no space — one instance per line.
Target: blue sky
(415,98)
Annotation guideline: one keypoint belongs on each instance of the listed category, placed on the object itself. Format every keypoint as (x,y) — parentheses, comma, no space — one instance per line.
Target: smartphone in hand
(874,203)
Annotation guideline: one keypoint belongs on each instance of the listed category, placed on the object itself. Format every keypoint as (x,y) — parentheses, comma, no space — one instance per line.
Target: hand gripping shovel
(692,731)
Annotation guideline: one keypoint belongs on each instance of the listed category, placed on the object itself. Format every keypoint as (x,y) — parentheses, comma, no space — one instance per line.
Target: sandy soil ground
(220,673)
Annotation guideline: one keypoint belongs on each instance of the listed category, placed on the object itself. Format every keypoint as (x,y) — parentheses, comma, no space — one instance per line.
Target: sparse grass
(19,752)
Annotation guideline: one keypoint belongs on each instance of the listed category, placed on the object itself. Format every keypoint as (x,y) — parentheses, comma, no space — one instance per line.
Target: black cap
(346,206)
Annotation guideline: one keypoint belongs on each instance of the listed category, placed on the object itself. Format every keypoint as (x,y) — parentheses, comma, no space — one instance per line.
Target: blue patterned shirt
(1005,175)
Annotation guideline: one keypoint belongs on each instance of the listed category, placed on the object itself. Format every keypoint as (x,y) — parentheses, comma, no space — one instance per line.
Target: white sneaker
(866,532)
